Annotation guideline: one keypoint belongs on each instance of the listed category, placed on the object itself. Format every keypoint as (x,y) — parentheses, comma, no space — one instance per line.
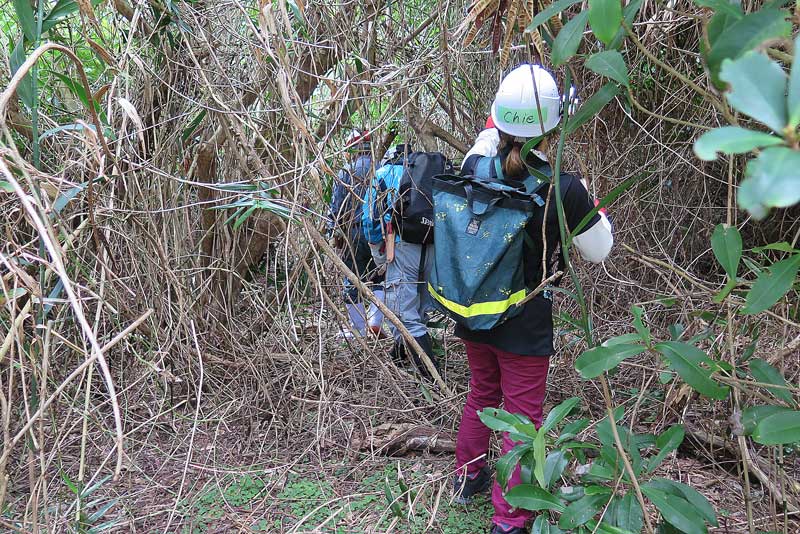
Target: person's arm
(485,145)
(594,242)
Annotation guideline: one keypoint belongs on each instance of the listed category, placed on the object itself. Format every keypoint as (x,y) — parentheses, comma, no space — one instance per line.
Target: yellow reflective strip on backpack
(479,308)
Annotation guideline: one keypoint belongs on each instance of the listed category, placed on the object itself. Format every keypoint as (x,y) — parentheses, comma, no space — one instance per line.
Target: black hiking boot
(507,529)
(427,345)
(465,487)
(398,354)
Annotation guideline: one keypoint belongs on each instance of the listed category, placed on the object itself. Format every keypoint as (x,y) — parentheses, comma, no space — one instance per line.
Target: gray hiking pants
(407,292)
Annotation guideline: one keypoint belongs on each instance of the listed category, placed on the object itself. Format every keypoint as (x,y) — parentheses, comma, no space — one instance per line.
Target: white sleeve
(595,243)
(486,144)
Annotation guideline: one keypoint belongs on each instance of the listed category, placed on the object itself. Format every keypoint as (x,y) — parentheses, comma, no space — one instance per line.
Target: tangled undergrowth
(170,358)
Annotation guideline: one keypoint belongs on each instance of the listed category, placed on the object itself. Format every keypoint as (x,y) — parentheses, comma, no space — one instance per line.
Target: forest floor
(305,464)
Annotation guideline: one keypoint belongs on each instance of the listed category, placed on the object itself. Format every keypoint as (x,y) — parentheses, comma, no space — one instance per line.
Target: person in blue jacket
(345,224)
(404,281)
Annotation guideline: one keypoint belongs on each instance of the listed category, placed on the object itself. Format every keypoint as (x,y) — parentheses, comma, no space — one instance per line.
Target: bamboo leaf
(731,140)
(771,285)
(609,64)
(686,360)
(569,39)
(605,18)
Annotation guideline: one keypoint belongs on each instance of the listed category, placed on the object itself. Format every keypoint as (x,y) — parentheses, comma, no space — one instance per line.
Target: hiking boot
(427,345)
(466,487)
(507,529)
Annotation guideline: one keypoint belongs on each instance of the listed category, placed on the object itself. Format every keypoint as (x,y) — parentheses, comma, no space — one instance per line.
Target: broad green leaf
(628,14)
(772,181)
(61,10)
(626,513)
(605,18)
(6,186)
(63,198)
(592,527)
(500,420)
(764,372)
(581,511)
(638,323)
(26,18)
(25,87)
(778,429)
(793,98)
(597,360)
(726,242)
(675,510)
(667,442)
(554,466)
(701,505)
(572,429)
(507,463)
(685,359)
(722,6)
(533,498)
(781,246)
(543,526)
(592,107)
(539,452)
(731,37)
(558,413)
(546,14)
(609,64)
(569,39)
(771,285)
(731,140)
(632,337)
(758,88)
(752,415)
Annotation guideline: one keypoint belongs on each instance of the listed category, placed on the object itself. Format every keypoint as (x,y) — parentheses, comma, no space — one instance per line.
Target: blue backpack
(478,275)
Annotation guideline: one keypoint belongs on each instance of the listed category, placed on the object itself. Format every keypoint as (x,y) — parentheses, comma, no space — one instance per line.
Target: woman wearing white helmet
(509,363)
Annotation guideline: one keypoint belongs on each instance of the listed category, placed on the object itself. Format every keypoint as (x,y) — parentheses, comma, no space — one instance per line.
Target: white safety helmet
(514,110)
(357,140)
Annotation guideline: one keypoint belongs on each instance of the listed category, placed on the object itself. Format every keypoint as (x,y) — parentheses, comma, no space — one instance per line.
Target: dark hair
(513,166)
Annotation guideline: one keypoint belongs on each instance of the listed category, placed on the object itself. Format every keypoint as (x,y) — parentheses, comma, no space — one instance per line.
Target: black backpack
(412,213)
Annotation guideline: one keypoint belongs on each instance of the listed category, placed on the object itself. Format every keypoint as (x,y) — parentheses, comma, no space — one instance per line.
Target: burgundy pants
(519,382)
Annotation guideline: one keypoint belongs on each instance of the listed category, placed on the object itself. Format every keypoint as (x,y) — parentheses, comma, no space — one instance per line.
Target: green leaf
(63,198)
(581,511)
(26,18)
(667,441)
(772,181)
(675,510)
(726,242)
(771,285)
(533,498)
(592,107)
(6,186)
(731,140)
(701,505)
(758,88)
(25,87)
(393,503)
(626,513)
(731,37)
(569,39)
(102,511)
(546,14)
(597,360)
(94,487)
(61,10)
(605,18)
(554,466)
(543,526)
(781,246)
(631,337)
(752,415)
(609,64)
(629,14)
(685,359)
(507,463)
(572,429)
(722,6)
(778,429)
(501,420)
(638,323)
(793,98)
(539,459)
(764,372)
(558,413)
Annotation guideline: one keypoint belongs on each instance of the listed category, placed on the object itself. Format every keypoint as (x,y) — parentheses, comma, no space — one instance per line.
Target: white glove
(378,251)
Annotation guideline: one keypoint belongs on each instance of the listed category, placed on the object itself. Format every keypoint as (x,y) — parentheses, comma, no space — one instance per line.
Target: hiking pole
(387,313)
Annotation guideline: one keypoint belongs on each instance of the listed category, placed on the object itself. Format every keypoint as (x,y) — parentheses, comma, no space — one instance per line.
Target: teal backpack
(478,274)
